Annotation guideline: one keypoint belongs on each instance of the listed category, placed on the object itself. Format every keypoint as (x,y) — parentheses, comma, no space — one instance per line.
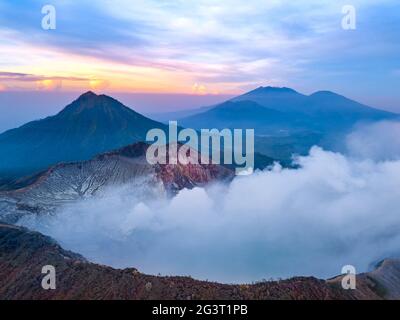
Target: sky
(197,48)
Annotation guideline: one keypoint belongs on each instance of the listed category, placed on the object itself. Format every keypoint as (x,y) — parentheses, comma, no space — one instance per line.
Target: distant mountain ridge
(294,112)
(175,115)
(93,124)
(90,125)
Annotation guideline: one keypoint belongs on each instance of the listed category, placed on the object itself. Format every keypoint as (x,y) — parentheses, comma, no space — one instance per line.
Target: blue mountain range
(284,120)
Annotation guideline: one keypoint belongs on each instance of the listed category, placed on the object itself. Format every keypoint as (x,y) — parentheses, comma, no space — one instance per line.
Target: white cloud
(333,211)
(379,141)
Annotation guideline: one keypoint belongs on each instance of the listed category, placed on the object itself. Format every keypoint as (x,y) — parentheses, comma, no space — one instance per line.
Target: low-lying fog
(337,209)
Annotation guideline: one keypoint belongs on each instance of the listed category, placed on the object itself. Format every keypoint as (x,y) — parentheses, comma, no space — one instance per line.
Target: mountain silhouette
(94,124)
(232,114)
(287,110)
(280,99)
(90,125)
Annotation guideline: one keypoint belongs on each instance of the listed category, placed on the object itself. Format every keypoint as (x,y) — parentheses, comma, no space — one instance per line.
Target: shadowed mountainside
(286,121)
(90,125)
(271,110)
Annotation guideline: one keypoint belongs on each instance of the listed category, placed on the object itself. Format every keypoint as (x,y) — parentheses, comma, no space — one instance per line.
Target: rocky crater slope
(126,167)
(23,253)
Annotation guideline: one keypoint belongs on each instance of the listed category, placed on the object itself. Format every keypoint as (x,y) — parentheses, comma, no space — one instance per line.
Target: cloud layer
(333,211)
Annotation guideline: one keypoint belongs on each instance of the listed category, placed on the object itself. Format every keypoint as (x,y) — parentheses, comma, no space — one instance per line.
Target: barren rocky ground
(23,253)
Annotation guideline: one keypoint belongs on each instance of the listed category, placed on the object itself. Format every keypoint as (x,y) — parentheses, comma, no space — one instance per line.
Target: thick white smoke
(333,211)
(379,141)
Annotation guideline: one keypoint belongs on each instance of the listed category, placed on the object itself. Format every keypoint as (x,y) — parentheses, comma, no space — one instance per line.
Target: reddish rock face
(179,176)
(124,167)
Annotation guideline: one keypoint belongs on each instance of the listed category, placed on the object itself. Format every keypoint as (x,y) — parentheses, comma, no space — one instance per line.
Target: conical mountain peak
(270,89)
(90,101)
(90,125)
(88,94)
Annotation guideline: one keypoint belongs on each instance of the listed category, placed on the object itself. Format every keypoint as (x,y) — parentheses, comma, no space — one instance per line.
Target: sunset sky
(203,47)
